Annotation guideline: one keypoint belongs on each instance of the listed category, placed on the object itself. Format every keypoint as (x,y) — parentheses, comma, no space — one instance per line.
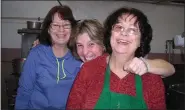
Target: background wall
(167,21)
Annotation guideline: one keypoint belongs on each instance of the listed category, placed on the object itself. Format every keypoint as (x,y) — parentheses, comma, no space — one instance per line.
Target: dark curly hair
(144,27)
(65,12)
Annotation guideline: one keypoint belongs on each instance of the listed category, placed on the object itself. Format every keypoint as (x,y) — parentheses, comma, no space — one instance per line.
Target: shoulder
(96,63)
(37,50)
(152,81)
(94,67)
(151,77)
(39,47)
(43,51)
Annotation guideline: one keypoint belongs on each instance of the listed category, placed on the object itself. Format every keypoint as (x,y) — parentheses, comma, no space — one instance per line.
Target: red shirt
(88,85)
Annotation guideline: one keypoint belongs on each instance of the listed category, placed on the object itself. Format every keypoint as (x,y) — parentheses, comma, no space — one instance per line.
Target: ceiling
(159,2)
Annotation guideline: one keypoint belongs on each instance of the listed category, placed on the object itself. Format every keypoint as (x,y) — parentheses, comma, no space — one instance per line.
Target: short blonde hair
(92,27)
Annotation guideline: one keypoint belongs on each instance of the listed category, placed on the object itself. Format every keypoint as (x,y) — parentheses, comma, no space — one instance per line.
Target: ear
(48,31)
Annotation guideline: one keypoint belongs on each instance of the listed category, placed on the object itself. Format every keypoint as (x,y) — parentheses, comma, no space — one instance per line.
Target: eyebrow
(91,41)
(78,43)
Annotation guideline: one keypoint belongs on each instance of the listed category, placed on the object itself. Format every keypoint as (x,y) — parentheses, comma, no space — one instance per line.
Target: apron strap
(107,78)
(138,83)
(139,88)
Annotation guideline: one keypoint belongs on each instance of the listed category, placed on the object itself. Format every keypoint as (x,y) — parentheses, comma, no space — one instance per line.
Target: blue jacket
(46,81)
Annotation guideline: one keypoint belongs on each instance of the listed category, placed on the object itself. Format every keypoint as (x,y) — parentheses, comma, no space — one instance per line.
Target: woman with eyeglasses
(50,68)
(102,83)
(86,43)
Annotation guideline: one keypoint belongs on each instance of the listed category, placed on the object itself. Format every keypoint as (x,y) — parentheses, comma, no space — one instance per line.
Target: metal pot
(34,24)
(17,65)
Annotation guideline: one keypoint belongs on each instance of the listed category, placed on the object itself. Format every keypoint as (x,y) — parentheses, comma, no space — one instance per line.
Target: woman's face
(125,35)
(88,49)
(59,30)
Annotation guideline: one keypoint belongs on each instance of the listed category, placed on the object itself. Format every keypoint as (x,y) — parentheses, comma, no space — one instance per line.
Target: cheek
(68,31)
(113,37)
(137,41)
(112,41)
(98,50)
(79,52)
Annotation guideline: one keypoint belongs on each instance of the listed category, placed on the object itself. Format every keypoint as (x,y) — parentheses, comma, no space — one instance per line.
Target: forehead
(84,37)
(58,18)
(129,19)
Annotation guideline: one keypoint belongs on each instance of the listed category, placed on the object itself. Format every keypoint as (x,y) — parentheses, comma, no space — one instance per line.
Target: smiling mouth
(89,58)
(61,36)
(123,42)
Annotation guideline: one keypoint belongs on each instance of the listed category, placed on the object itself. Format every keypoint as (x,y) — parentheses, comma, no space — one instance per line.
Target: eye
(79,45)
(117,27)
(91,44)
(67,26)
(132,30)
(55,25)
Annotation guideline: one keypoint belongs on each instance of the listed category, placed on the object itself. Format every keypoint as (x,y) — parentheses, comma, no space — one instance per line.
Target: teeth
(60,36)
(122,41)
(89,58)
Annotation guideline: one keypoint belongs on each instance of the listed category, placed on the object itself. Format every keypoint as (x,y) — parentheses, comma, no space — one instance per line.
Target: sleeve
(154,92)
(77,93)
(26,82)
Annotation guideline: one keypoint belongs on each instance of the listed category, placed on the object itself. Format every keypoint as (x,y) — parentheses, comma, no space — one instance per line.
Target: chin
(120,51)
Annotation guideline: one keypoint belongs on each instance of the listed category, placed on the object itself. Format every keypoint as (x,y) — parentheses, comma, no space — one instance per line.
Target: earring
(104,49)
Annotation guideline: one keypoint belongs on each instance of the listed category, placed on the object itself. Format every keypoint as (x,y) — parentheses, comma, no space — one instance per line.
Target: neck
(117,62)
(59,50)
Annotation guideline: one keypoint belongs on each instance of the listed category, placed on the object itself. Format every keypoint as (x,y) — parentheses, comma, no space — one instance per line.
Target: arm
(75,99)
(160,67)
(156,66)
(26,82)
(35,43)
(154,92)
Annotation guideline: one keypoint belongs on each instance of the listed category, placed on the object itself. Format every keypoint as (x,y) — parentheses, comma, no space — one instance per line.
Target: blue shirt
(46,81)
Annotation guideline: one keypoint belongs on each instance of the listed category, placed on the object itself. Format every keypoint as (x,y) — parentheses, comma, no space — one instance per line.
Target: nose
(61,28)
(85,50)
(124,33)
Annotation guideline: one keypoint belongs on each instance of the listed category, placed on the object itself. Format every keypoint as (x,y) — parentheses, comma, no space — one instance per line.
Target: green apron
(113,100)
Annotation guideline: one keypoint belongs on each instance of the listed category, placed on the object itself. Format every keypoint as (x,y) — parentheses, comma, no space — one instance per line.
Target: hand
(35,43)
(137,66)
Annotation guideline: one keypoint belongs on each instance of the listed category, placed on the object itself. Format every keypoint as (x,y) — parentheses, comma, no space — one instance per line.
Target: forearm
(160,67)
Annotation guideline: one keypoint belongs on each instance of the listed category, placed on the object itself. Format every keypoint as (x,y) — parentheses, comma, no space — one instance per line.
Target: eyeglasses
(129,31)
(58,26)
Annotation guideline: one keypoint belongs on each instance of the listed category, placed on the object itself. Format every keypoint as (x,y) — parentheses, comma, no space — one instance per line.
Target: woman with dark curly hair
(102,83)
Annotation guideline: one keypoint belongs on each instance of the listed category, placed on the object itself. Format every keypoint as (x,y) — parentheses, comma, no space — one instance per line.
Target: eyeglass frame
(125,30)
(59,26)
